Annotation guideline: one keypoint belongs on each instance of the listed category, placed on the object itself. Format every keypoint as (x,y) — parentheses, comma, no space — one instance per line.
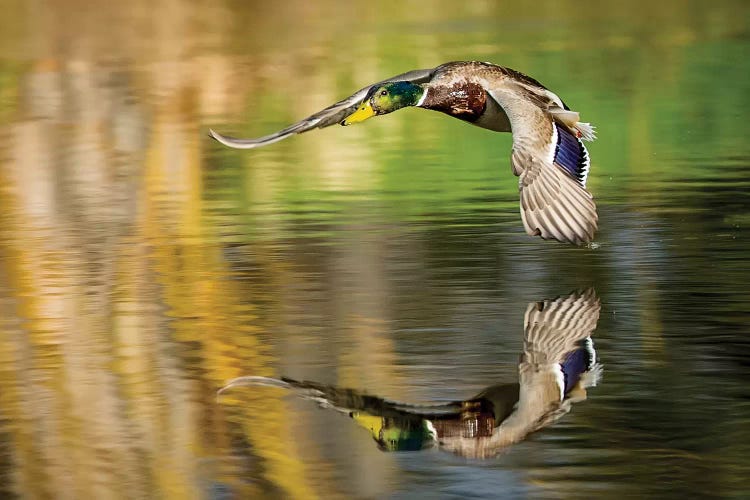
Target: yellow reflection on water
(120,316)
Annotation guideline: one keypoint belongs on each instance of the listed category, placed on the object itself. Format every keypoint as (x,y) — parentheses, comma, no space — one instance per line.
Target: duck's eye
(384,92)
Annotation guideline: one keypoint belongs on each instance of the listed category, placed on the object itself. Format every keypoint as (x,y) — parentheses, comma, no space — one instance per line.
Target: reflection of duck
(547,155)
(558,364)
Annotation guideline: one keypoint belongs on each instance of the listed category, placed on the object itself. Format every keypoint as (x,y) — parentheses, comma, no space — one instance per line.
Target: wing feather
(329,116)
(554,327)
(553,205)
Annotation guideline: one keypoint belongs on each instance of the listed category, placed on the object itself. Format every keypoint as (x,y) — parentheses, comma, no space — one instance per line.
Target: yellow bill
(364,111)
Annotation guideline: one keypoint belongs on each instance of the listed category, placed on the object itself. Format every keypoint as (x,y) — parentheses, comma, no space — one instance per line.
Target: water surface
(143,266)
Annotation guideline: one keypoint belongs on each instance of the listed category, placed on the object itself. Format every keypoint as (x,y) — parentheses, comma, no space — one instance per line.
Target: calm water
(143,266)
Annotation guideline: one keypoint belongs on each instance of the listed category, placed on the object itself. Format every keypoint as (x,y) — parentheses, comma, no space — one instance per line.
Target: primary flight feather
(548,154)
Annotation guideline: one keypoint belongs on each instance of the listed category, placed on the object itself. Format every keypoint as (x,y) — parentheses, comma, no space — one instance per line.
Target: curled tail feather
(586,131)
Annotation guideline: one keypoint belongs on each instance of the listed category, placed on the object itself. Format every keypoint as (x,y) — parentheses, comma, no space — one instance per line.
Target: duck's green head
(384,99)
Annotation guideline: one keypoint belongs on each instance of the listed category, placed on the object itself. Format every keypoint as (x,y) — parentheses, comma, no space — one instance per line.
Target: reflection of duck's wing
(554,328)
(557,351)
(394,426)
(557,364)
(344,400)
(351,400)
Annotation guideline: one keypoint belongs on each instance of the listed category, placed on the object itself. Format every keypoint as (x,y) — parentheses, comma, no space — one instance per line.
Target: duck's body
(548,155)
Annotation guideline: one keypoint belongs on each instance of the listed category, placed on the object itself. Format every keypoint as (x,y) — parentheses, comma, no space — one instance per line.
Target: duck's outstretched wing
(330,116)
(550,160)
(554,200)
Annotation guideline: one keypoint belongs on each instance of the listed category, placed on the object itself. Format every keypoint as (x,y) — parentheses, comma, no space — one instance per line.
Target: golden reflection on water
(120,313)
(117,330)
(120,317)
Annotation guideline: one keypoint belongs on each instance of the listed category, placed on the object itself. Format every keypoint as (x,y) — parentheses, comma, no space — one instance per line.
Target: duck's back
(460,70)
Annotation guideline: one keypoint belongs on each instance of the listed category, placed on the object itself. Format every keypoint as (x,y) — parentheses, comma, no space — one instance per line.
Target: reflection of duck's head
(408,433)
(557,366)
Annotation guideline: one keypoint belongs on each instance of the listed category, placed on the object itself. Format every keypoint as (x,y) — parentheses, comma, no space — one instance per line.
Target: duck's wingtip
(581,237)
(225,140)
(233,142)
(253,381)
(217,136)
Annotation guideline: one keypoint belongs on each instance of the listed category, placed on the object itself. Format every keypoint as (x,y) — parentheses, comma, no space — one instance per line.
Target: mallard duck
(548,154)
(557,367)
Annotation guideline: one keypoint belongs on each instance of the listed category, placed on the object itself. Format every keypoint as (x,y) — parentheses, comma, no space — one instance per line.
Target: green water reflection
(143,266)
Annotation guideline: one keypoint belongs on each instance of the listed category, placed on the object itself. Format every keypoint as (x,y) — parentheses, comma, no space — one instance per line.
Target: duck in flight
(557,367)
(548,154)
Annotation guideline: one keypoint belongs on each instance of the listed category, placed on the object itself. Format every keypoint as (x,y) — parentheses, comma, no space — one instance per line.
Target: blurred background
(143,265)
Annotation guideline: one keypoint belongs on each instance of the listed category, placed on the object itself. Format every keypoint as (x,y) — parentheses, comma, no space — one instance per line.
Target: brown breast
(462,99)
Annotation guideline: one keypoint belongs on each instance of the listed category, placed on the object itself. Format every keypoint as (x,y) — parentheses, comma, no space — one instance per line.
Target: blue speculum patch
(571,155)
(575,364)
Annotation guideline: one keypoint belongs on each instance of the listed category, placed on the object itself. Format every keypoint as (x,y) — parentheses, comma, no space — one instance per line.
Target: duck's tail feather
(586,131)
(570,118)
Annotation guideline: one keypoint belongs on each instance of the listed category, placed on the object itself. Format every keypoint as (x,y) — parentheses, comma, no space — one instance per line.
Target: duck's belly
(493,118)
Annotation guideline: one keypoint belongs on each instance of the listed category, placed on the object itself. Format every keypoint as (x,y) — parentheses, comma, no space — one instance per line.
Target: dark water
(143,267)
